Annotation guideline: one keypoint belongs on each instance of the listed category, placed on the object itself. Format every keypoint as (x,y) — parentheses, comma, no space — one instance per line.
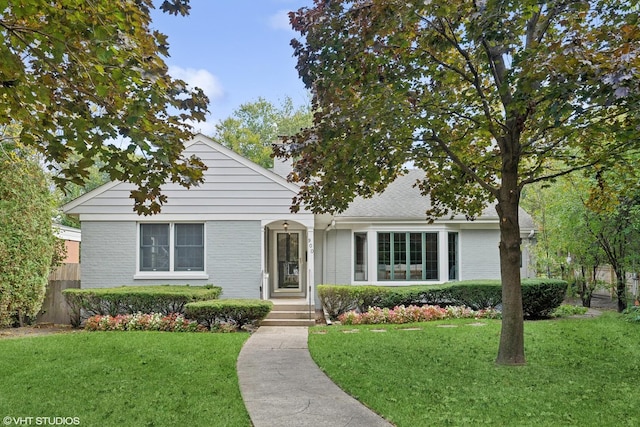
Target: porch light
(285,225)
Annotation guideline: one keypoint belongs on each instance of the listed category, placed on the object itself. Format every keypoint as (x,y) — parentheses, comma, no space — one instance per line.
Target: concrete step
(289,314)
(291,307)
(288,322)
(292,314)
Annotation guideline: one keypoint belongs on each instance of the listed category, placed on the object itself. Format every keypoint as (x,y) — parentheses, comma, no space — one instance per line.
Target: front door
(289,264)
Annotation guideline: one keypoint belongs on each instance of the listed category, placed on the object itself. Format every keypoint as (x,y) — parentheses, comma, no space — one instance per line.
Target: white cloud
(207,128)
(280,20)
(199,78)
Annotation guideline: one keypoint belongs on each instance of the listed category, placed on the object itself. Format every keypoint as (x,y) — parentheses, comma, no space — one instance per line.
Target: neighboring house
(236,230)
(72,238)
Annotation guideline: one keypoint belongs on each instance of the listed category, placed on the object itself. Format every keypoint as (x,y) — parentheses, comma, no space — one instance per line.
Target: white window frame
(171,274)
(372,253)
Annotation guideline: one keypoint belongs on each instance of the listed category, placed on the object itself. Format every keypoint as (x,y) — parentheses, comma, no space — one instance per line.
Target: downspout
(330,227)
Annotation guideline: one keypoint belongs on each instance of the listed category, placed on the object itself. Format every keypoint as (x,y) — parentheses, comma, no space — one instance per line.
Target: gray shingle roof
(402,200)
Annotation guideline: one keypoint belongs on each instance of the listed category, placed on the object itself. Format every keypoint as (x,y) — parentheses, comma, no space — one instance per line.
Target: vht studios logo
(41,421)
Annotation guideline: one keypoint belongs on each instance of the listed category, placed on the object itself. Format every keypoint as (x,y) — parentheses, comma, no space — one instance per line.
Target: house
(236,230)
(72,238)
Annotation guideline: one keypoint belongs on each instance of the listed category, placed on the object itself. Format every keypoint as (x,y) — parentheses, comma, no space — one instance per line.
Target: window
(172,247)
(154,247)
(360,256)
(407,256)
(453,255)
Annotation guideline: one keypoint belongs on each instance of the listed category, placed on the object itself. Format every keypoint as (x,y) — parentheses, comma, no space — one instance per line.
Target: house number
(310,246)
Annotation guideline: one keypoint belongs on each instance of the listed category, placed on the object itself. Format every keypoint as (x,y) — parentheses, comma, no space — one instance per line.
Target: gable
(232,185)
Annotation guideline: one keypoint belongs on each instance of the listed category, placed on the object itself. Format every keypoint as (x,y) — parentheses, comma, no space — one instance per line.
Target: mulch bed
(35,331)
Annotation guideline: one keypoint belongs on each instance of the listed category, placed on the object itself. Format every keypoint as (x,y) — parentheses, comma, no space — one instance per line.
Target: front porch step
(290,315)
(288,322)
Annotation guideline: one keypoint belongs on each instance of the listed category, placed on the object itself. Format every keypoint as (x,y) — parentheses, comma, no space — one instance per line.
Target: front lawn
(124,378)
(579,372)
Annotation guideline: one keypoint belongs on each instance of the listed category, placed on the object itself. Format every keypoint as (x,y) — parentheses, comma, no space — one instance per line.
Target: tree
(615,200)
(255,126)
(88,79)
(27,242)
(95,177)
(594,219)
(478,94)
(567,238)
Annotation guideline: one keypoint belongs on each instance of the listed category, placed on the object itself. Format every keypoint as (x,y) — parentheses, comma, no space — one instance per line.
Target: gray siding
(479,254)
(108,254)
(229,187)
(338,261)
(109,257)
(233,257)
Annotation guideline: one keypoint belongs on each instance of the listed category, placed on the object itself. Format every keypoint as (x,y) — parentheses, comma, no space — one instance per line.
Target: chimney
(282,167)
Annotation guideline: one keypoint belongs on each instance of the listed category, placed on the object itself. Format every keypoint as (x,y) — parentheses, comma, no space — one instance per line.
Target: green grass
(124,378)
(579,372)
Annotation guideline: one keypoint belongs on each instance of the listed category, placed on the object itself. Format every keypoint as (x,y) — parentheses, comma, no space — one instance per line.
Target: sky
(236,51)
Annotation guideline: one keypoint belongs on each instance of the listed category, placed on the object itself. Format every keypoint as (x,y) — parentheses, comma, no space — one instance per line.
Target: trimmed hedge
(540,296)
(239,312)
(163,299)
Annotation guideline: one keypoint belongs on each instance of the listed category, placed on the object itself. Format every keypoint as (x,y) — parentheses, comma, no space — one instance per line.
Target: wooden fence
(55,309)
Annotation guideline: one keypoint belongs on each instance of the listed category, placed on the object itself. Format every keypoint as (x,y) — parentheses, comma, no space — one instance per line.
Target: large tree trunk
(511,350)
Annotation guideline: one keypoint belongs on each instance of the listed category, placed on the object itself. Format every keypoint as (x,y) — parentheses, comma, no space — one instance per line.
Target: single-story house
(236,230)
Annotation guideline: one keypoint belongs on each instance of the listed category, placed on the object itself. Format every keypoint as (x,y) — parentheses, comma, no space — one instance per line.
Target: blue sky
(236,51)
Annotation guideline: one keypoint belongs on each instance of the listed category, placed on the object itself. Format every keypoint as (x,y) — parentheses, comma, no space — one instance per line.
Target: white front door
(289,268)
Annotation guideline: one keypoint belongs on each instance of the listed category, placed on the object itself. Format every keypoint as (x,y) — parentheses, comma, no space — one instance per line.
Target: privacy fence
(55,308)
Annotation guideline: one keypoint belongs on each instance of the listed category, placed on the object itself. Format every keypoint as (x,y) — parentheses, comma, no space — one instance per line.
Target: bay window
(407,256)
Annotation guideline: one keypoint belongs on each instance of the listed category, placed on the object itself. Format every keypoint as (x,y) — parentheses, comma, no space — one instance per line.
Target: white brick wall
(108,254)
(233,258)
(109,257)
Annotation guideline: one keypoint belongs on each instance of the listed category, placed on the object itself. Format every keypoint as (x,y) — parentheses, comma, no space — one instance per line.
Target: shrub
(476,294)
(568,310)
(632,314)
(173,322)
(369,296)
(27,241)
(238,312)
(337,299)
(540,297)
(413,313)
(163,299)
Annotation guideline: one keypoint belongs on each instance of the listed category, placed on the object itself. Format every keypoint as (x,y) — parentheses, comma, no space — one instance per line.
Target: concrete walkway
(282,386)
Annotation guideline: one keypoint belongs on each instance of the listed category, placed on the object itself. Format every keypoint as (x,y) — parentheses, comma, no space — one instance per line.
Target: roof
(67,233)
(402,200)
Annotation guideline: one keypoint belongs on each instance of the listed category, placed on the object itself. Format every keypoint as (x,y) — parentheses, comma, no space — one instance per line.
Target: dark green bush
(540,296)
(369,296)
(337,299)
(163,299)
(239,312)
(477,294)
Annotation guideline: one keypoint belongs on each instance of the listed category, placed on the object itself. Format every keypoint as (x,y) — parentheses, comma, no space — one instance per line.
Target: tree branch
(462,165)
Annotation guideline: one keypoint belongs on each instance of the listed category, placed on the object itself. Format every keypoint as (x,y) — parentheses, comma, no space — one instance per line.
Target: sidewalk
(282,386)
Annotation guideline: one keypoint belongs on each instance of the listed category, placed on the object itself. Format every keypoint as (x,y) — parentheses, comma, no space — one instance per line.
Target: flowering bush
(413,313)
(173,322)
